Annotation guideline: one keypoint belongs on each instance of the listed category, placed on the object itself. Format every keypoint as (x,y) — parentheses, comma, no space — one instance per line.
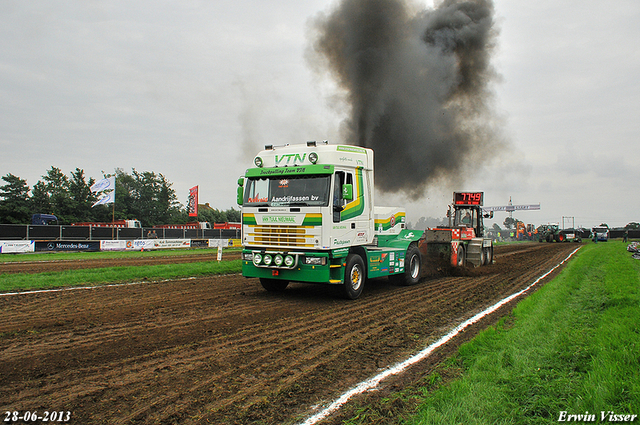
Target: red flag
(193,201)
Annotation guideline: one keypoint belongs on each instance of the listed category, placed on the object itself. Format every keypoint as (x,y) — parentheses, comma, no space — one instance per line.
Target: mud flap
(454,253)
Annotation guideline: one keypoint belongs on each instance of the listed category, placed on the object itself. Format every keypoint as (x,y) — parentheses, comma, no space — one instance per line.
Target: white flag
(104,184)
(108,198)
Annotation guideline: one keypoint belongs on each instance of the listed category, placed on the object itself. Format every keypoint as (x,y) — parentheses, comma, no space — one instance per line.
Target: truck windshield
(287,191)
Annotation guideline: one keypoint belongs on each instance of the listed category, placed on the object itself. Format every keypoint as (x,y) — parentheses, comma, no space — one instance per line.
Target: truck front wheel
(412,268)
(274,285)
(354,276)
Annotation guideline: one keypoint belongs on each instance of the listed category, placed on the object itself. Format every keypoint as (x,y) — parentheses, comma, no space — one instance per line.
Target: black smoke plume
(417,82)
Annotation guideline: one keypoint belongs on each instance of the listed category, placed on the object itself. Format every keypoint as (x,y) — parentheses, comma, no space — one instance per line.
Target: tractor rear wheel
(460,261)
(488,256)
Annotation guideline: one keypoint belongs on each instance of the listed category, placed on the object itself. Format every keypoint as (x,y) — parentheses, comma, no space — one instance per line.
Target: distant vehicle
(228,225)
(192,225)
(553,233)
(202,225)
(600,233)
(43,219)
(116,224)
(550,232)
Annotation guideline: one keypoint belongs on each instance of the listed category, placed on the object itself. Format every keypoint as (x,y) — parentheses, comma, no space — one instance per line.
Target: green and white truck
(309,215)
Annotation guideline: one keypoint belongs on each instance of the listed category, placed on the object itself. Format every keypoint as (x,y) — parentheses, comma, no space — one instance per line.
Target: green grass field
(57,256)
(110,275)
(570,348)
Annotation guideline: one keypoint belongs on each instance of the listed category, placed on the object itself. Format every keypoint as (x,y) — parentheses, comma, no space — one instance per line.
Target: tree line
(145,196)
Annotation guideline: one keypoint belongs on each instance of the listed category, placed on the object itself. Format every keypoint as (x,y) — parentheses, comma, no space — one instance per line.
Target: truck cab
(600,233)
(43,219)
(312,205)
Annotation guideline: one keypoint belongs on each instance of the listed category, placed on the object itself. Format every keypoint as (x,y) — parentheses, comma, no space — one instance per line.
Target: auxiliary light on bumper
(280,260)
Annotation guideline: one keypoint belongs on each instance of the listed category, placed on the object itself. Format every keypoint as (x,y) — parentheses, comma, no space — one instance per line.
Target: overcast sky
(193,89)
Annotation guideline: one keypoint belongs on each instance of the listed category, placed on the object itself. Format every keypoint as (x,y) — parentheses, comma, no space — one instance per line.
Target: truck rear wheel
(354,276)
(274,285)
(412,268)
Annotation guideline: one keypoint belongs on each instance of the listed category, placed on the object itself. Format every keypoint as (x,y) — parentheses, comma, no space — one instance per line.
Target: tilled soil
(223,350)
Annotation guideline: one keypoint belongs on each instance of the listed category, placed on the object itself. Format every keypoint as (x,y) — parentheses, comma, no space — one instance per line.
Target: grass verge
(573,346)
(90,277)
(58,256)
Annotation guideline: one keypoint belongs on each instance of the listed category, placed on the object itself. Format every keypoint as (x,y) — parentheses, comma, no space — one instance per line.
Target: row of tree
(145,196)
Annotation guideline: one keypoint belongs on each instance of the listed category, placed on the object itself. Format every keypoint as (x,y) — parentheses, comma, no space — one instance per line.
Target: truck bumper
(303,273)
(330,272)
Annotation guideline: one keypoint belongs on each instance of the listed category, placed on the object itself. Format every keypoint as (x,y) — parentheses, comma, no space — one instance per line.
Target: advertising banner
(193,201)
(62,246)
(140,244)
(134,245)
(112,245)
(108,183)
(13,247)
(225,243)
(213,243)
(170,243)
(107,188)
(199,243)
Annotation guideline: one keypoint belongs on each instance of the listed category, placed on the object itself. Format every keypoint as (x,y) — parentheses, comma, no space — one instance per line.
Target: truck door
(338,201)
(350,225)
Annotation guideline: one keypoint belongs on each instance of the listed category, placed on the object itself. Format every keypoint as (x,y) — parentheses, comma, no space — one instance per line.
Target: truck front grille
(280,236)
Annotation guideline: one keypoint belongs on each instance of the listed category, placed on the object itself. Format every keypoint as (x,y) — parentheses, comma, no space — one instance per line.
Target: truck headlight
(278,260)
(247,256)
(257,258)
(267,259)
(288,261)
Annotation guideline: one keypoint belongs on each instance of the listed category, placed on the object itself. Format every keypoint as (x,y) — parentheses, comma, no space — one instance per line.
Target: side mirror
(240,190)
(347,192)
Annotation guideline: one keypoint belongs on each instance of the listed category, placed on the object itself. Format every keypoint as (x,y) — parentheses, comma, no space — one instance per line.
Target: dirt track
(222,350)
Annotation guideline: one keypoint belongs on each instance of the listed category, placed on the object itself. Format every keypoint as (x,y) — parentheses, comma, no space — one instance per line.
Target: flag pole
(113,211)
(113,218)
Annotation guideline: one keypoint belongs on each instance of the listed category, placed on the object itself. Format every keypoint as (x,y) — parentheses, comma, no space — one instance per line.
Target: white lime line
(80,288)
(109,285)
(400,367)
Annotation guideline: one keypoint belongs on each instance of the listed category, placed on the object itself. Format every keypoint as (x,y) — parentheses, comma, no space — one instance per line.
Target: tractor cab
(467,211)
